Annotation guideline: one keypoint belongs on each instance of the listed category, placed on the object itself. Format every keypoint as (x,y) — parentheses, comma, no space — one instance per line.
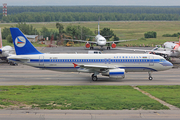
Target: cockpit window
(101,40)
(162,60)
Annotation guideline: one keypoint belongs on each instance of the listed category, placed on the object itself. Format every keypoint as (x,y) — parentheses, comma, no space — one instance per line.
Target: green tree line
(77,16)
(71,32)
(97,9)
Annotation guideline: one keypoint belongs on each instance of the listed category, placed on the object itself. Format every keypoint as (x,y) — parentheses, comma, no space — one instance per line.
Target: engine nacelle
(87,45)
(115,73)
(113,45)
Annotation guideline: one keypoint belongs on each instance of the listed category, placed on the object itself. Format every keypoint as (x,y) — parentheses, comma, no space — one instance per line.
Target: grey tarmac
(89,114)
(26,75)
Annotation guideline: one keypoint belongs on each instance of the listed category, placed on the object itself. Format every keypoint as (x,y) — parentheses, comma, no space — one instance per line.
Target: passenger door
(151,60)
(41,61)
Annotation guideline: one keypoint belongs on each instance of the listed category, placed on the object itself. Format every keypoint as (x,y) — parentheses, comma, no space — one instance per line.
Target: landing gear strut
(94,77)
(91,48)
(150,77)
(108,46)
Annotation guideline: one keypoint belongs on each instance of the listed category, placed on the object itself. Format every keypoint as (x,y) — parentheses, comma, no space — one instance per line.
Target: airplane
(100,41)
(175,47)
(4,51)
(169,50)
(111,65)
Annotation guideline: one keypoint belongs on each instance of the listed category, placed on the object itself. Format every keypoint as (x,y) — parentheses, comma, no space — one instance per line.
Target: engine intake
(113,45)
(87,45)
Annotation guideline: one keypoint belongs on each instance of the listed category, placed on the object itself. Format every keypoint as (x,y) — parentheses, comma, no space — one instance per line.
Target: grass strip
(169,94)
(78,97)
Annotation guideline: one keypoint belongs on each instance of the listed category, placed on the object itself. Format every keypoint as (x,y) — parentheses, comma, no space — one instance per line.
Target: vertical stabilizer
(0,39)
(21,43)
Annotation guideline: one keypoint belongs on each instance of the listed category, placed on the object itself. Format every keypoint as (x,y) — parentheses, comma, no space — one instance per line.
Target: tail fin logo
(20,41)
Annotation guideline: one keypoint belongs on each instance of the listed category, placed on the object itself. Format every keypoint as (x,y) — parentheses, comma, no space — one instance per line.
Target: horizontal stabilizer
(18,58)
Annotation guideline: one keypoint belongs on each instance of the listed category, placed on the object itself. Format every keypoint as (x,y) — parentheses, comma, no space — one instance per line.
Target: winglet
(75,65)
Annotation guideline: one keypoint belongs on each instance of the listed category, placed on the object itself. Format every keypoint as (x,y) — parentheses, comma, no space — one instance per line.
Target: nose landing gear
(150,77)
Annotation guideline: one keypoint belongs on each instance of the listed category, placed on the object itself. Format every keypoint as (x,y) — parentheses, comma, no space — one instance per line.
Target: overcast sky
(91,2)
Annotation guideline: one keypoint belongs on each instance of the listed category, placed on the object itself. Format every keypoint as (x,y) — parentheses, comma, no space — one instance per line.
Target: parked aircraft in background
(174,46)
(169,50)
(164,52)
(100,41)
(111,65)
(4,51)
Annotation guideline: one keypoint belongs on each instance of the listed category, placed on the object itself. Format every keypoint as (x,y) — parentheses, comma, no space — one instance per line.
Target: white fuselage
(101,41)
(64,62)
(170,45)
(174,47)
(6,50)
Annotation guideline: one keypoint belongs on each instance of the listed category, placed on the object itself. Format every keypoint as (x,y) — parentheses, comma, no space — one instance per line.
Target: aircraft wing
(153,50)
(94,67)
(82,41)
(121,41)
(136,50)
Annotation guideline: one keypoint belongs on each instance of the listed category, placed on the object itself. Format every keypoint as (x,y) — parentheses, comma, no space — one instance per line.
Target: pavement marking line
(171,107)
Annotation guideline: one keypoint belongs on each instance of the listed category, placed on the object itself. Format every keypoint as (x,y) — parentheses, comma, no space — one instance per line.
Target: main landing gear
(94,77)
(108,48)
(91,48)
(150,77)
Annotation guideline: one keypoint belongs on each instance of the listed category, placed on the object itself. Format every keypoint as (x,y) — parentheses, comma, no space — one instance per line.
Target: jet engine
(113,45)
(87,45)
(115,73)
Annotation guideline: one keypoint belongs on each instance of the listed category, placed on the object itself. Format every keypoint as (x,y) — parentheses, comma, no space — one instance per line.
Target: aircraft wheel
(150,78)
(94,78)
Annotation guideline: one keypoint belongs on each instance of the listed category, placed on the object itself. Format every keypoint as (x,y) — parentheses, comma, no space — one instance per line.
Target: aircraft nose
(167,64)
(102,43)
(170,64)
(178,49)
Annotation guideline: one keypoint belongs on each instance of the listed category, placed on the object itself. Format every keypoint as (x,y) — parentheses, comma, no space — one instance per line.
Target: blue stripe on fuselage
(96,60)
